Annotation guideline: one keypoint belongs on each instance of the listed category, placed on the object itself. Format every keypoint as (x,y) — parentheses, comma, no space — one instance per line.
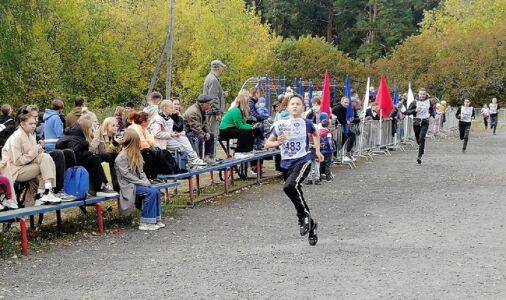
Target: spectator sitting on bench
(161,126)
(24,160)
(234,126)
(53,123)
(6,194)
(197,128)
(7,124)
(134,183)
(106,145)
(77,138)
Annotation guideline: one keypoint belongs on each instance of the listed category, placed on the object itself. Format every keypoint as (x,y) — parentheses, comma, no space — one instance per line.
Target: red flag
(384,99)
(325,104)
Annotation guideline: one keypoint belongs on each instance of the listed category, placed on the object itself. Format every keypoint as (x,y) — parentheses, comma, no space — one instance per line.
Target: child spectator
(327,150)
(53,125)
(262,109)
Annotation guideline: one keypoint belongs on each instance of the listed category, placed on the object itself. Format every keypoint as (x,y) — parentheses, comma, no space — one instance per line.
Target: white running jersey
(297,140)
(466,114)
(492,108)
(424,109)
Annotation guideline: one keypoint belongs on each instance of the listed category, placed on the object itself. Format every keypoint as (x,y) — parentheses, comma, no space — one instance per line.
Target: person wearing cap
(197,127)
(213,89)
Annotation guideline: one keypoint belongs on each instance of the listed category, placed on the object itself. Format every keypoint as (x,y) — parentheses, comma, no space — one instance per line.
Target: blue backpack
(77,182)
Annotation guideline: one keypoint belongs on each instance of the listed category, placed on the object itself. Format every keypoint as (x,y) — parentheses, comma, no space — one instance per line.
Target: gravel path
(389,229)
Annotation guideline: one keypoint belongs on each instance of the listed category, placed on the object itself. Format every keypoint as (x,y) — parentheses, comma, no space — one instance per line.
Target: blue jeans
(151,204)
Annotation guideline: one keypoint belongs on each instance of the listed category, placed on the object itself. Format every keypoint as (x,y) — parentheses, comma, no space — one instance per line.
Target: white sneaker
(199,162)
(346,159)
(38,203)
(2,207)
(106,192)
(148,227)
(160,224)
(241,155)
(10,204)
(50,198)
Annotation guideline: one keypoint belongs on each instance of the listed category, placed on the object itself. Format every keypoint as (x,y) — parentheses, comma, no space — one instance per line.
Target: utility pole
(167,50)
(168,80)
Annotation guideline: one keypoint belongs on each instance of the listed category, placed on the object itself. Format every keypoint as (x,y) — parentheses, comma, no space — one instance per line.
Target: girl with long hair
(134,183)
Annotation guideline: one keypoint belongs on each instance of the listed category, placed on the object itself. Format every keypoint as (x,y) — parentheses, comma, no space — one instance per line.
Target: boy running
(292,136)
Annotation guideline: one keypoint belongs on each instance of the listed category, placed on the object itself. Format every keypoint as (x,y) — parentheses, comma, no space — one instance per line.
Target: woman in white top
(465,114)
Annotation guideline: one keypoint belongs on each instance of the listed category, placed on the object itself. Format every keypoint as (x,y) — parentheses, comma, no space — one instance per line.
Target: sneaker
(304,225)
(106,192)
(50,198)
(253,171)
(148,227)
(329,177)
(10,204)
(346,159)
(199,162)
(241,155)
(317,182)
(65,197)
(2,208)
(419,161)
(38,203)
(313,235)
(160,224)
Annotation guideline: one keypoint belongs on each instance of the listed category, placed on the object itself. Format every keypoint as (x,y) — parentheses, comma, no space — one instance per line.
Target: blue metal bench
(21,214)
(226,166)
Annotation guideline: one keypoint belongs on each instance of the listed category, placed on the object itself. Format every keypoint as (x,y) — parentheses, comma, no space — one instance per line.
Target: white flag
(366,98)
(411,97)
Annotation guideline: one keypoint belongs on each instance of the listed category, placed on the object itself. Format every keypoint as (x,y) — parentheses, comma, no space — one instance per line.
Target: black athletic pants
(93,165)
(420,127)
(350,137)
(294,177)
(464,128)
(326,164)
(63,159)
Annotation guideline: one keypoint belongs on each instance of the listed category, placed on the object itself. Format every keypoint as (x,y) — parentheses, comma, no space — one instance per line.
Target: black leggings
(63,159)
(245,138)
(93,165)
(294,177)
(420,128)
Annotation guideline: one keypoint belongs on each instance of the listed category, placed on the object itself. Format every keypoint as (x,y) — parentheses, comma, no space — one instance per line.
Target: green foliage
(309,58)
(459,53)
(106,51)
(365,29)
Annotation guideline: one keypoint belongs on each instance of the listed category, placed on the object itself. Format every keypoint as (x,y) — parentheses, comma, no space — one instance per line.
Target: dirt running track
(389,229)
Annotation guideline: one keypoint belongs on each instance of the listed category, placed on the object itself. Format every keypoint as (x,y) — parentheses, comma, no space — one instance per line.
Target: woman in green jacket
(233,126)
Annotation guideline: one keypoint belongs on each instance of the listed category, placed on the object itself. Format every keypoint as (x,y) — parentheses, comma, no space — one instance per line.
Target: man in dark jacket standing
(348,135)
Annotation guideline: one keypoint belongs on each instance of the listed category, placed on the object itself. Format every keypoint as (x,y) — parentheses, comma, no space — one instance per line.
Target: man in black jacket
(348,135)
(421,110)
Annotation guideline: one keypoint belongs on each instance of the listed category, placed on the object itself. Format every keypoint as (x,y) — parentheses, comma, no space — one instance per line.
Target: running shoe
(106,192)
(199,162)
(304,225)
(148,227)
(313,235)
(50,198)
(240,155)
(419,161)
(160,224)
(65,197)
